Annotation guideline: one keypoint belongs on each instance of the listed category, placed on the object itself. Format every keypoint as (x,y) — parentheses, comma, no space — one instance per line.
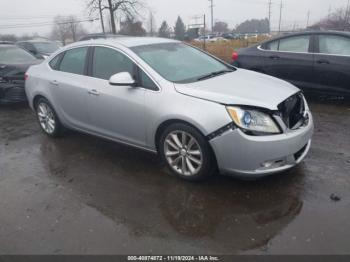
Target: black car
(14,62)
(313,61)
(40,49)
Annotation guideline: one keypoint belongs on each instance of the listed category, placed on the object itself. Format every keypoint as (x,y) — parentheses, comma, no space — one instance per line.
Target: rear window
(74,61)
(54,63)
(13,54)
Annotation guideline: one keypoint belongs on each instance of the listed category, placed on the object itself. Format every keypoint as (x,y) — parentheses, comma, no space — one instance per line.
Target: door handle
(94,92)
(54,82)
(274,57)
(323,62)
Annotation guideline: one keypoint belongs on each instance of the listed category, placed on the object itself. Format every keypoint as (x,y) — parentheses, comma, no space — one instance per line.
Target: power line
(41,24)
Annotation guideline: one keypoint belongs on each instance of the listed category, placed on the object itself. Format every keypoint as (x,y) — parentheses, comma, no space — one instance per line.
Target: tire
(47,118)
(186,152)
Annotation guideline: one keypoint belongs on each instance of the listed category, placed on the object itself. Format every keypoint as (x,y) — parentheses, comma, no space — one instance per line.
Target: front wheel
(186,152)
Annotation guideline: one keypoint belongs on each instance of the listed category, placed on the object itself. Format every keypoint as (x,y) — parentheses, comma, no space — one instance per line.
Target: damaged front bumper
(258,156)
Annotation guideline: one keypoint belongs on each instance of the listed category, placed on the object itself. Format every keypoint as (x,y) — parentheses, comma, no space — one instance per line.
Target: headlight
(253,120)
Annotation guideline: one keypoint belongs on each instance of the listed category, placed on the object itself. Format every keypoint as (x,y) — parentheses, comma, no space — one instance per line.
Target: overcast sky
(24,16)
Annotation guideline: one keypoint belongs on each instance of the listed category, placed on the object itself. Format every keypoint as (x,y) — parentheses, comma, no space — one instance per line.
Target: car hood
(242,87)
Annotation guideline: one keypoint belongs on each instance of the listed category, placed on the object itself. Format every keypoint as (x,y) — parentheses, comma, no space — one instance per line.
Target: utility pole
(280,22)
(270,12)
(151,23)
(308,19)
(212,15)
(204,44)
(347,15)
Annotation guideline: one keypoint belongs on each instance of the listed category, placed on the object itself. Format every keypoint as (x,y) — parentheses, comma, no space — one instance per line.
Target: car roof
(331,32)
(34,41)
(312,33)
(8,45)
(126,41)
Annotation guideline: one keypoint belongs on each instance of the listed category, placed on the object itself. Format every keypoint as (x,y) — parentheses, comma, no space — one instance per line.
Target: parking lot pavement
(83,195)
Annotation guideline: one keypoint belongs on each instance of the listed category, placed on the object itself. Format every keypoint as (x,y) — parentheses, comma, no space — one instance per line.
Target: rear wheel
(186,152)
(47,118)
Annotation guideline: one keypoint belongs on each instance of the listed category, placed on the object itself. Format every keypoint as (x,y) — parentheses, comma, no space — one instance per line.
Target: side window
(74,61)
(273,46)
(298,44)
(54,63)
(147,82)
(107,62)
(335,45)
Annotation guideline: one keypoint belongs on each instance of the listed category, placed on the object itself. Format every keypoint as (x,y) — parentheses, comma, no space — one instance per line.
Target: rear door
(332,64)
(291,59)
(68,86)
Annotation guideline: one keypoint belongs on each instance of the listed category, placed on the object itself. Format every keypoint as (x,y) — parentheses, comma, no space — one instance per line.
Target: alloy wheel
(46,118)
(183,153)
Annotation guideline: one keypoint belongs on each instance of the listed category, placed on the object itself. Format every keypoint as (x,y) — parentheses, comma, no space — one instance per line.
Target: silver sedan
(200,114)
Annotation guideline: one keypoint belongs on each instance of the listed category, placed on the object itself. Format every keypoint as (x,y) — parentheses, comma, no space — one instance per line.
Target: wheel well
(36,99)
(167,123)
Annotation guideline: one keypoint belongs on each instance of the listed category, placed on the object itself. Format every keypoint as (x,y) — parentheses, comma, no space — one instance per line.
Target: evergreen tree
(164,30)
(180,29)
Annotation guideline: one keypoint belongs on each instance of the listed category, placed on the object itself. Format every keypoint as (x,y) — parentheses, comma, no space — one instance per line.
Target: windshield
(46,47)
(178,62)
(14,54)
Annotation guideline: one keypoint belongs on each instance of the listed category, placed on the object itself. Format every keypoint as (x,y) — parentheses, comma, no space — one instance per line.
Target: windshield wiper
(214,74)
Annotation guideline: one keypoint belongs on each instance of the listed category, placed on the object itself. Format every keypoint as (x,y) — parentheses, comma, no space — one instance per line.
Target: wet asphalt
(83,195)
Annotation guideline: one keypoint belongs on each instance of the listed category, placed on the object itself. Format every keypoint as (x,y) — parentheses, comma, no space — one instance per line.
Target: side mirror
(122,79)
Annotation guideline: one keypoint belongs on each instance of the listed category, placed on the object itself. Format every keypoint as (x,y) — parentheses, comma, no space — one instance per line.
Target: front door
(116,112)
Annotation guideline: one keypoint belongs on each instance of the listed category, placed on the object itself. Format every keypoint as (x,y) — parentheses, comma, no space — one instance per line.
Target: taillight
(235,56)
(26,76)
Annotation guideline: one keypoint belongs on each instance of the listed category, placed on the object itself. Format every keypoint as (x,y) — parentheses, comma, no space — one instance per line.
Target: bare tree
(132,27)
(66,28)
(220,27)
(338,20)
(60,29)
(129,8)
(97,6)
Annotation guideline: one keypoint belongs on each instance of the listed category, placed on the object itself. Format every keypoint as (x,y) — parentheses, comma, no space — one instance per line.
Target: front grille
(292,110)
